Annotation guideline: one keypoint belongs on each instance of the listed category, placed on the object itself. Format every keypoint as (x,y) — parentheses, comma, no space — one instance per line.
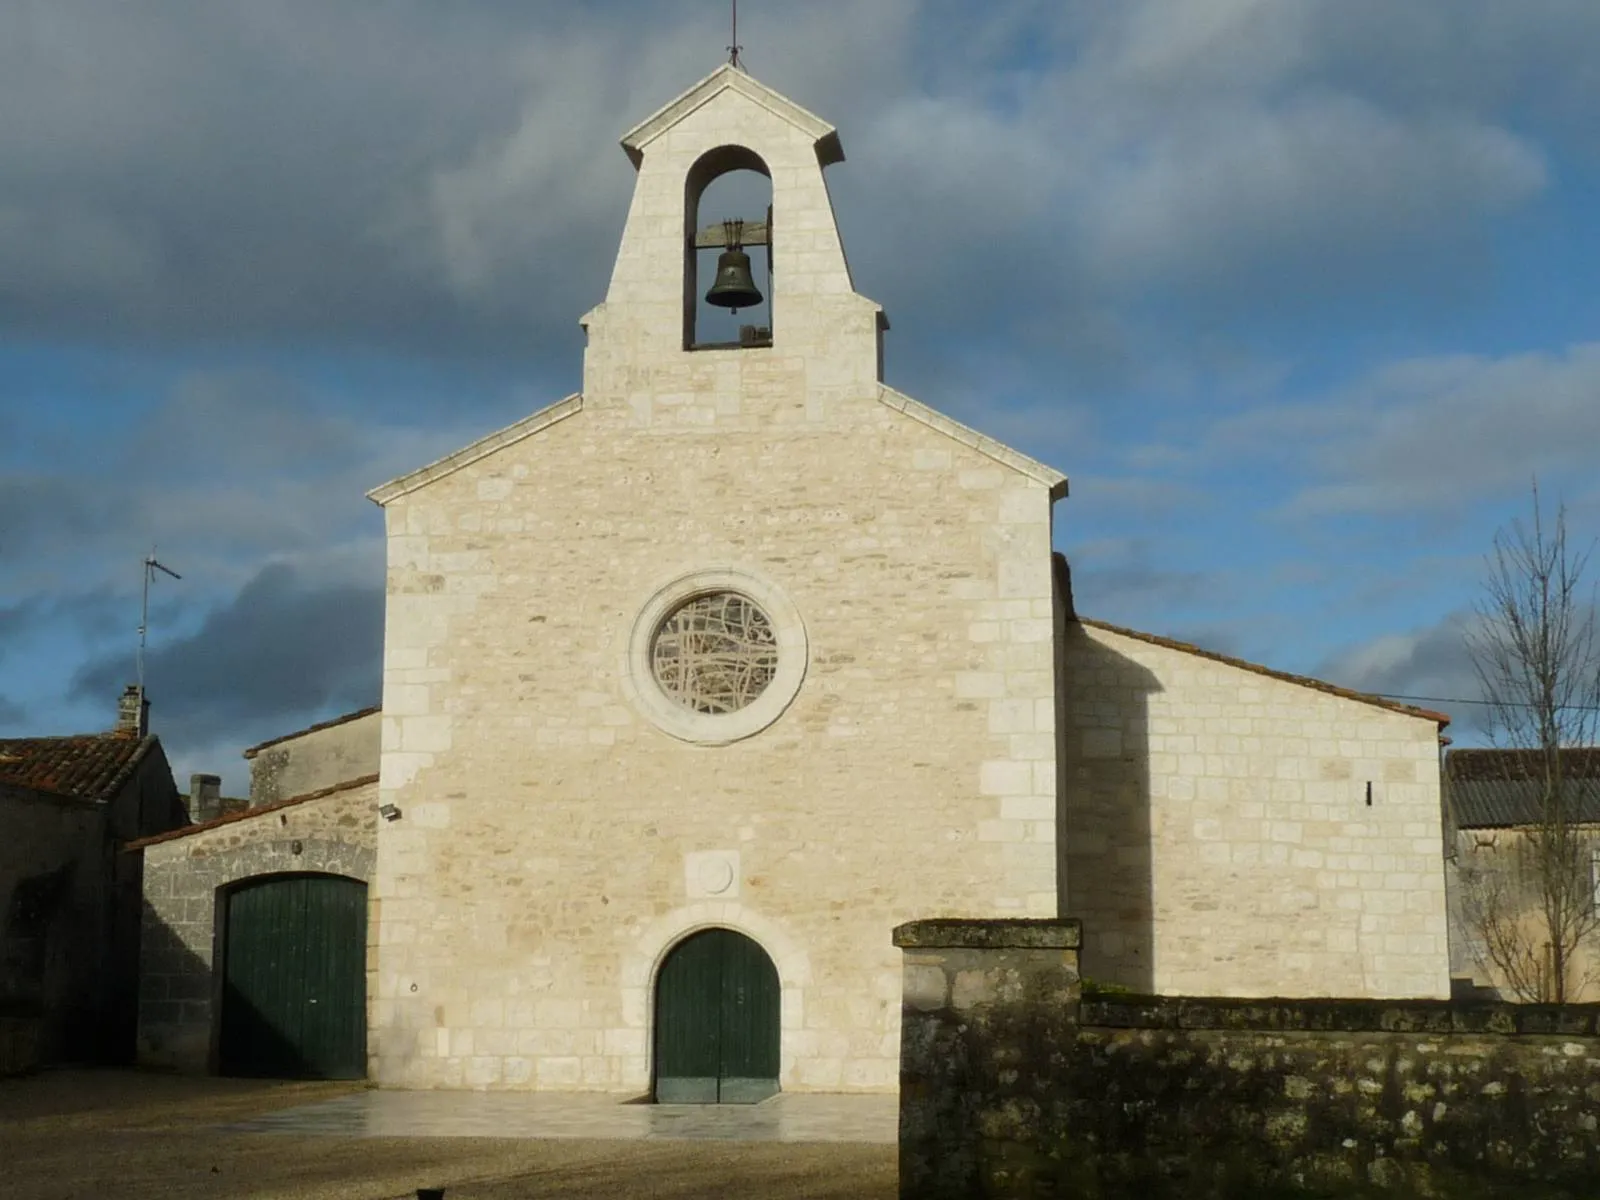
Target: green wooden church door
(294,979)
(717,1022)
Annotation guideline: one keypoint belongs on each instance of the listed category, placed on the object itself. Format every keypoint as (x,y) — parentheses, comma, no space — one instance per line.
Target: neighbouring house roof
(1498,789)
(245,814)
(1305,681)
(321,725)
(87,766)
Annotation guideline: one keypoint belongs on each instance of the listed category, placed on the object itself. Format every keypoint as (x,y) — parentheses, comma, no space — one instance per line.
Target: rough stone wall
(554,837)
(1010,1091)
(182,879)
(1217,837)
(316,759)
(52,953)
(1484,881)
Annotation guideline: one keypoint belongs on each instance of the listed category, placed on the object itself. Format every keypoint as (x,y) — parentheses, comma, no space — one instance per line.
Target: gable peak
(728,78)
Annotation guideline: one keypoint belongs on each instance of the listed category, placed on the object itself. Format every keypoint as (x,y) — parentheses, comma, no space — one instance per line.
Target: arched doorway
(294,986)
(717,1021)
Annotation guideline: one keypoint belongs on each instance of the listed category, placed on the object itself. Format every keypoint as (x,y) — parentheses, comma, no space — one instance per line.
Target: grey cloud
(446,180)
(229,468)
(278,652)
(1433,662)
(90,614)
(1117,580)
(11,713)
(1326,182)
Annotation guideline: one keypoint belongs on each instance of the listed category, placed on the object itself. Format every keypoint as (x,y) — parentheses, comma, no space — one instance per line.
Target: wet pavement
(787,1117)
(131,1135)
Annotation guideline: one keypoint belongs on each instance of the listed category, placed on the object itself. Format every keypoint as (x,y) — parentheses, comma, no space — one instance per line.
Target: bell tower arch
(677,255)
(727,262)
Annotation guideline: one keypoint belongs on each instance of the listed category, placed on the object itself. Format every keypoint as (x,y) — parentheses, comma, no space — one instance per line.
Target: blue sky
(1300,295)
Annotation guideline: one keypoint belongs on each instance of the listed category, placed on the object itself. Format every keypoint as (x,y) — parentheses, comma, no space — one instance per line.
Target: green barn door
(294,979)
(717,1022)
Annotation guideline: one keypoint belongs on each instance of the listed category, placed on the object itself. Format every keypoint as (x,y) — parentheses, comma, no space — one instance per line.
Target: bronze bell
(734,287)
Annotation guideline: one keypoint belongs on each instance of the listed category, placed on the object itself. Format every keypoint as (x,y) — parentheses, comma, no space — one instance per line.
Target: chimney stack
(133,713)
(205,798)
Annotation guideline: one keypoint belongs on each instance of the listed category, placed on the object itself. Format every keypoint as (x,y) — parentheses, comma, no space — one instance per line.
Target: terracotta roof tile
(90,766)
(245,814)
(252,751)
(1426,714)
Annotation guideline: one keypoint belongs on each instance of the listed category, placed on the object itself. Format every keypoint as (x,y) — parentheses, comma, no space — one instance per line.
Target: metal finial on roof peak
(733,47)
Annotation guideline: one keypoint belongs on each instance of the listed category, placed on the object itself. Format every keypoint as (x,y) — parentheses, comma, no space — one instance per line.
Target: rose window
(715,653)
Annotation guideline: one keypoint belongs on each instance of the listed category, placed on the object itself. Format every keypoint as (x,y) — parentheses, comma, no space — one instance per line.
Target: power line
(1487,703)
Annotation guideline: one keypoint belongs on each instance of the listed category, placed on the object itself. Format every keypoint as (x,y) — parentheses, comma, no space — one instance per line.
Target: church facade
(584,783)
(698,682)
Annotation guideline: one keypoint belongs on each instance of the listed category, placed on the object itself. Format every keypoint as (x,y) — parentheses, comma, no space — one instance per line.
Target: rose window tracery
(715,653)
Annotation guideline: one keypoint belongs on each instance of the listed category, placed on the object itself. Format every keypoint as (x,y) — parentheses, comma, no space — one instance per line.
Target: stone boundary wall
(1013,1085)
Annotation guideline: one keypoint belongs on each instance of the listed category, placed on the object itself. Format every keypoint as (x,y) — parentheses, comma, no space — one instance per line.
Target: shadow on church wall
(1104,818)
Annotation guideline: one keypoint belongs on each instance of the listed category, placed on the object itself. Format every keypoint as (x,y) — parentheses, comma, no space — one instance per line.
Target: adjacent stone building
(252,963)
(1512,822)
(310,760)
(1229,830)
(69,902)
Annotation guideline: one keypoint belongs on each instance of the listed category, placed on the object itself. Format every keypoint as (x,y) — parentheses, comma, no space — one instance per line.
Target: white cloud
(1241,190)
(1439,433)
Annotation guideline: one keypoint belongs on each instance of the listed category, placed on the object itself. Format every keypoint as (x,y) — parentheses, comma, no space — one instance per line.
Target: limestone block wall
(323,756)
(184,877)
(544,865)
(1230,833)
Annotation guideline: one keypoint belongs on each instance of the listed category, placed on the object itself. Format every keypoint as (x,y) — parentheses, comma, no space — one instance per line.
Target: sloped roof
(245,814)
(252,751)
(88,766)
(1497,789)
(730,78)
(1305,681)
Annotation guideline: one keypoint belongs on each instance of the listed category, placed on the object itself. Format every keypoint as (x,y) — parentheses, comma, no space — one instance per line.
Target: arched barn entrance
(294,986)
(717,1021)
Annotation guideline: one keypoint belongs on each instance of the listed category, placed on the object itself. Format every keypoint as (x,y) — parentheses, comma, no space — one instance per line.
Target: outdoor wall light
(389,812)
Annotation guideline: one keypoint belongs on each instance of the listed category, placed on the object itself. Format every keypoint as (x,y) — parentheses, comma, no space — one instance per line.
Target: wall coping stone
(998,934)
(1338,1016)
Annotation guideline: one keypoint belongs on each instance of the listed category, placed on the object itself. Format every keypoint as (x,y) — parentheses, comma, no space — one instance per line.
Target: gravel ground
(84,1135)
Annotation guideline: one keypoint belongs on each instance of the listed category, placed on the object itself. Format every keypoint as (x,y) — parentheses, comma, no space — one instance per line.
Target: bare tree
(1536,651)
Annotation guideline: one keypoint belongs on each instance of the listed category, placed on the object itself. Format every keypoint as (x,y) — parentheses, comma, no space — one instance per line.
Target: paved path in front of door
(787,1117)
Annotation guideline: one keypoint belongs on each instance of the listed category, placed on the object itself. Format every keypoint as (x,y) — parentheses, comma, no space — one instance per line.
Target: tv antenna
(151,566)
(734,48)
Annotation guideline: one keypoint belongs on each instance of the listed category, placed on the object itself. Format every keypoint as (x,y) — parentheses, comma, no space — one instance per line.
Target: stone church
(698,682)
